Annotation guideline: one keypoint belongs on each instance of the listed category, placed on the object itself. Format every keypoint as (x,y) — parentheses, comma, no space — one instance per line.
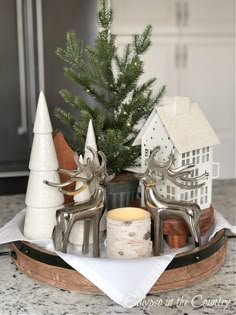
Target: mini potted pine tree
(113,81)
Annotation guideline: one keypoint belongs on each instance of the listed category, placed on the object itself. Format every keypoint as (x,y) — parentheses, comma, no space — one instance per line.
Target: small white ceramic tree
(42,201)
(90,141)
(76,236)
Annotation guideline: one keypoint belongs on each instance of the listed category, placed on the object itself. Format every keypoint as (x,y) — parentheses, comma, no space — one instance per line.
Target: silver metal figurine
(161,208)
(90,211)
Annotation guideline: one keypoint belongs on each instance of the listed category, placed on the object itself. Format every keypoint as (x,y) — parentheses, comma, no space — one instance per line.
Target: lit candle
(128,233)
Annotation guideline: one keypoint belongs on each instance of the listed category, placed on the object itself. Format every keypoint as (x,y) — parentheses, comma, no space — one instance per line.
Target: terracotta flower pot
(65,156)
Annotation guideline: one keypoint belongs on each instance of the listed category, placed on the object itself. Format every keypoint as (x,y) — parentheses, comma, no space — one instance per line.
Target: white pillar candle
(128,233)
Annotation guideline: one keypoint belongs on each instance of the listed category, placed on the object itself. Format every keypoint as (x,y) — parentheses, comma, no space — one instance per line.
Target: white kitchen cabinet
(207,16)
(193,54)
(174,16)
(131,16)
(207,75)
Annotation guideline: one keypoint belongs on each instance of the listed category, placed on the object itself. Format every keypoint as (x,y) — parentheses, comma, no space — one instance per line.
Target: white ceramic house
(178,124)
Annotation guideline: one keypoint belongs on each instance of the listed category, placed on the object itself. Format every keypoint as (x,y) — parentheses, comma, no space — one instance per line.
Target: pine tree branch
(142,42)
(105,15)
(65,117)
(74,51)
(75,101)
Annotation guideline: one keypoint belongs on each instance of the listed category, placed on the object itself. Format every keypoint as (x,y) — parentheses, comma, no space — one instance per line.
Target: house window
(205,155)
(170,192)
(188,153)
(192,193)
(206,199)
(206,190)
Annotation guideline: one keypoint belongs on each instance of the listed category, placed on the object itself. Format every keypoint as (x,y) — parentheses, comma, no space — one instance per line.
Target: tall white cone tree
(42,201)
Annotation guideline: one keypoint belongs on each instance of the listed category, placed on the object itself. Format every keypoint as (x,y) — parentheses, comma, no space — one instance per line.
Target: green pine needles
(113,81)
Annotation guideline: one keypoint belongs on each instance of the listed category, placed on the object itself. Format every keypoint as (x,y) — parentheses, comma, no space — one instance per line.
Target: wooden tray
(185,269)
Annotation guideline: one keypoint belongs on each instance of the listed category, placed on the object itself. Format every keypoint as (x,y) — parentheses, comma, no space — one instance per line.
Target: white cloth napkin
(125,281)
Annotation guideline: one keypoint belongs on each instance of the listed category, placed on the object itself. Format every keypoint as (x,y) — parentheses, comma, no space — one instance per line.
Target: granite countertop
(20,294)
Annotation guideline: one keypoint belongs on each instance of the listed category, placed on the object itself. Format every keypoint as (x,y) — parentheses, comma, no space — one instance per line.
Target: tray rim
(69,279)
(188,257)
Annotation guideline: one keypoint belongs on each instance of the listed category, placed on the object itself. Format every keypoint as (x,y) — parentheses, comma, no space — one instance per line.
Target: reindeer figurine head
(181,176)
(90,169)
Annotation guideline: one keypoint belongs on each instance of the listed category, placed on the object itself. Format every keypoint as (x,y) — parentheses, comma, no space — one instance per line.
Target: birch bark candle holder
(128,233)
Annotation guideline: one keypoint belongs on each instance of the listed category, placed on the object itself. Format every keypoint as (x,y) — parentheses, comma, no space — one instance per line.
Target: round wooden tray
(185,269)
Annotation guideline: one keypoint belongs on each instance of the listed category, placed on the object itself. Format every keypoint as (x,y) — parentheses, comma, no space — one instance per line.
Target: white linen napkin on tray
(125,281)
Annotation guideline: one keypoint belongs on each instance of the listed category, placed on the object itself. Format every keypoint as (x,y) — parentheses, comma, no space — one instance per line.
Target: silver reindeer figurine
(161,208)
(90,211)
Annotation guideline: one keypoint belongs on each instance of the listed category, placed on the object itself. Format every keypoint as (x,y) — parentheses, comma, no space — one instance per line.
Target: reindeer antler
(92,167)
(75,175)
(178,176)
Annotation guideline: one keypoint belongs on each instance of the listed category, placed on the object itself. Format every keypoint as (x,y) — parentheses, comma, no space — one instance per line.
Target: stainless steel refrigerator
(30,32)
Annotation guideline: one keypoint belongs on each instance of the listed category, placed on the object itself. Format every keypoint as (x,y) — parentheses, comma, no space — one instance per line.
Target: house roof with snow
(185,123)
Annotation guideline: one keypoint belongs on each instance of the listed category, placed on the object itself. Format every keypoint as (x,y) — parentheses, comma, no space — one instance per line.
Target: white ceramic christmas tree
(90,141)
(42,201)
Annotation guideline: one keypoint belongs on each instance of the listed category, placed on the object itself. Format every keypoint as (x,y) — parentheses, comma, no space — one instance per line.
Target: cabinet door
(208,76)
(208,16)
(14,142)
(160,62)
(133,15)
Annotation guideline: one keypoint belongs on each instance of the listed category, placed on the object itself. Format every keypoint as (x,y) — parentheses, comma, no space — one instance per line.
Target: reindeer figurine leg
(158,235)
(193,224)
(59,229)
(96,236)
(85,246)
(71,221)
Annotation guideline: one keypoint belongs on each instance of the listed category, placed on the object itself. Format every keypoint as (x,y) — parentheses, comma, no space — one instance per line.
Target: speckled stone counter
(22,295)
